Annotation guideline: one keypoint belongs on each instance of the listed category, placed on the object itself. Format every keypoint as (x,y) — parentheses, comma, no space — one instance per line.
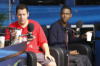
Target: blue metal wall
(7,1)
(46,15)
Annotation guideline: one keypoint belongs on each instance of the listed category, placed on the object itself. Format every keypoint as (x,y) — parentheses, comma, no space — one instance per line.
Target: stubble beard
(64,22)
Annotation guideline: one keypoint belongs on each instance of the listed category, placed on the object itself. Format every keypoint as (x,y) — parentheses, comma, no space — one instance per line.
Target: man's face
(65,15)
(22,16)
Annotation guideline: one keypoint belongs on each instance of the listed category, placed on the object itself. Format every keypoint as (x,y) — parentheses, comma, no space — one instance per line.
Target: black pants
(80,60)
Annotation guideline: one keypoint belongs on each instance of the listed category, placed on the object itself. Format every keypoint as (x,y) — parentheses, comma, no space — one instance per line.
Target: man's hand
(76,36)
(13,34)
(74,52)
(45,48)
(49,57)
(84,35)
(30,39)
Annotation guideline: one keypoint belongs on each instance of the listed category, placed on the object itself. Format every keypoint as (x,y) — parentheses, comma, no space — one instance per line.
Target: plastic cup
(89,36)
(18,32)
(2,41)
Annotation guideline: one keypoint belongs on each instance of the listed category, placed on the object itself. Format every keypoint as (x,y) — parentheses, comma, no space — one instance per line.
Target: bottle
(19,39)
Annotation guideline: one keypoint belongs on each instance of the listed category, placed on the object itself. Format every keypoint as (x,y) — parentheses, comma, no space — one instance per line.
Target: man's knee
(78,59)
(51,64)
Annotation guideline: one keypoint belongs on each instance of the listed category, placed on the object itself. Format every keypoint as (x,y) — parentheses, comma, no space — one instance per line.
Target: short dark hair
(22,6)
(66,7)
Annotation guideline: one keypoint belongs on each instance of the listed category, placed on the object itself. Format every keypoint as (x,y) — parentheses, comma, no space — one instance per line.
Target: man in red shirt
(43,58)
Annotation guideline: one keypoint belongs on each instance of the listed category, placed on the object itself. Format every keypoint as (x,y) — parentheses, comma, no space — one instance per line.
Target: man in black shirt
(57,37)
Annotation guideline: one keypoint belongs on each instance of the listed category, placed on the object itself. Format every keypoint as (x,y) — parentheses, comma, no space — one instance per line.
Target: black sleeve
(52,36)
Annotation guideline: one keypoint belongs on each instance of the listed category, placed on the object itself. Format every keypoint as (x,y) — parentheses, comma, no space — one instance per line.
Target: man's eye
(67,13)
(19,14)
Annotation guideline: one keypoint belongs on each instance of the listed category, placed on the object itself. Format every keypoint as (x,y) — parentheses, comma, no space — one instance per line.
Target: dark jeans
(80,60)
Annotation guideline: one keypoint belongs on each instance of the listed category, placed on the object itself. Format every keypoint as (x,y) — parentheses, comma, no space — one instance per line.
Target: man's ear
(60,13)
(71,15)
(16,15)
(28,14)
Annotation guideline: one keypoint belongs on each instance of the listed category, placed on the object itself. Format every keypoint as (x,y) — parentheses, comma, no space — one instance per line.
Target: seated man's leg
(51,64)
(76,59)
(85,60)
(41,59)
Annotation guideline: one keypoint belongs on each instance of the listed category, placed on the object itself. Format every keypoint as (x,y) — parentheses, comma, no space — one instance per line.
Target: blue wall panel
(7,1)
(46,15)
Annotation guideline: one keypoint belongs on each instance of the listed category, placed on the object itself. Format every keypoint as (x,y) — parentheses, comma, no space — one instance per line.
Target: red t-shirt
(38,33)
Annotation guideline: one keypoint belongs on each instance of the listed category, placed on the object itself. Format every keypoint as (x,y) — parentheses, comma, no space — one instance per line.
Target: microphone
(29,35)
(78,27)
(30,28)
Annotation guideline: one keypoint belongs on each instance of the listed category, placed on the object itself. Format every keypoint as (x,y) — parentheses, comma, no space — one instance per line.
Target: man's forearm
(45,48)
